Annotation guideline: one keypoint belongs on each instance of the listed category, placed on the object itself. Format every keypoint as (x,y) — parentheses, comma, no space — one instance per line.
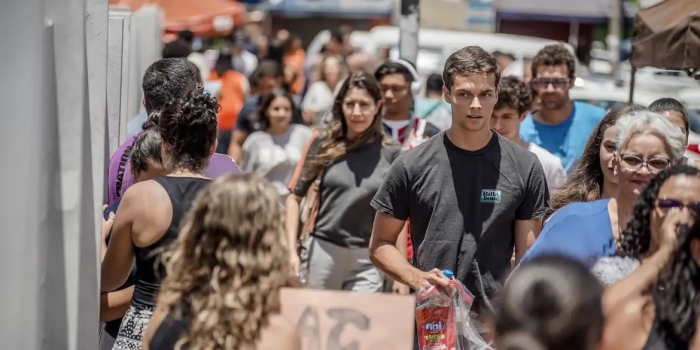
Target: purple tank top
(119,176)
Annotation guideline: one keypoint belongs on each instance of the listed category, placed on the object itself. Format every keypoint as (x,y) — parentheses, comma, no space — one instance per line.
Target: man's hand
(400,288)
(669,227)
(425,279)
(294,263)
(107,225)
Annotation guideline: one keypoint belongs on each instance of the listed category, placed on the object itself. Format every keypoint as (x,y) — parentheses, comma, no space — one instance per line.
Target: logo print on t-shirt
(490,196)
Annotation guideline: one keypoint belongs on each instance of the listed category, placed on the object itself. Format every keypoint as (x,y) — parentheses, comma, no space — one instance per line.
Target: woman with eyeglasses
(592,177)
(646,144)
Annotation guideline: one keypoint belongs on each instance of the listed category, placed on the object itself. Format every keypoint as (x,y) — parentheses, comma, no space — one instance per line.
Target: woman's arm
(247,149)
(114,305)
(638,281)
(119,257)
(641,278)
(106,230)
(292,220)
(627,327)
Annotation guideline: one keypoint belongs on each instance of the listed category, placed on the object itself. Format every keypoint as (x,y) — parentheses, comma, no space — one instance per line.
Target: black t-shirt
(348,184)
(463,206)
(247,120)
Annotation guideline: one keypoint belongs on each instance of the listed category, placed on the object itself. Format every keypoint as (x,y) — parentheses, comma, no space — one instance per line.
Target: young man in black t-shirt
(472,196)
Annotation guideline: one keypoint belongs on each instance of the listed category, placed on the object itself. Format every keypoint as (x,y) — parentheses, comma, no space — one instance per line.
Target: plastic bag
(443,321)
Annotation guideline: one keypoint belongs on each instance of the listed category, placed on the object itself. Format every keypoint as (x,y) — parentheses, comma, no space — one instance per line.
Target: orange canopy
(203,17)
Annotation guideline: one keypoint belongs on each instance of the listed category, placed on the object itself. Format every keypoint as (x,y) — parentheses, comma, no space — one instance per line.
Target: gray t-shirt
(345,215)
(275,156)
(463,205)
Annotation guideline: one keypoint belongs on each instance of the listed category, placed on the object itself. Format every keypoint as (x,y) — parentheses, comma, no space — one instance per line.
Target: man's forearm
(389,259)
(114,305)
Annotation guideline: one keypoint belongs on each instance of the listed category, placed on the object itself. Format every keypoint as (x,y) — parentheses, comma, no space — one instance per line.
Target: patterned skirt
(133,328)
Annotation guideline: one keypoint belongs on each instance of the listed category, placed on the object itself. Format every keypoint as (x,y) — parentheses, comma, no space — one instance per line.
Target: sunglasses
(670,203)
(544,82)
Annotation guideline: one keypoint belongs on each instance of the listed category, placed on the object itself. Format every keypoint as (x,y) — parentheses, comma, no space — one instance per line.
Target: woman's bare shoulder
(280,334)
(628,325)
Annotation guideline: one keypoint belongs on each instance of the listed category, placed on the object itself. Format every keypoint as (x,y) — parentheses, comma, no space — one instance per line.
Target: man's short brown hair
(467,61)
(514,93)
(554,55)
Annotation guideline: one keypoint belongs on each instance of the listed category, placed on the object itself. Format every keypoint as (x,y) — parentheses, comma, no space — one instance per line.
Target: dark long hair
(188,127)
(267,101)
(335,142)
(677,291)
(636,237)
(585,183)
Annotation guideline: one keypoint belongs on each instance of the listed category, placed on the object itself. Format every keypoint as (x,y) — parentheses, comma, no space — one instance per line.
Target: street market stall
(203,17)
(667,35)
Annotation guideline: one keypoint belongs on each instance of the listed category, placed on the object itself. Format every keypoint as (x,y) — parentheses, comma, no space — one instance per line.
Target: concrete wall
(51,143)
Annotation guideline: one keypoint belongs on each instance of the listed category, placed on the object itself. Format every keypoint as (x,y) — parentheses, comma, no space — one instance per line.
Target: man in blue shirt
(561,126)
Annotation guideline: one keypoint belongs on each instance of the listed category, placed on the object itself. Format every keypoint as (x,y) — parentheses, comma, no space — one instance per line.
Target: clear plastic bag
(443,321)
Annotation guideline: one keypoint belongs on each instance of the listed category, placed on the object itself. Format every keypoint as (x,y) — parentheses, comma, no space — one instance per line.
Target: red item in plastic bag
(437,329)
(437,314)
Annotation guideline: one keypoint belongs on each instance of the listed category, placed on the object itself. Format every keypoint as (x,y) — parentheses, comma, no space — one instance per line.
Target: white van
(441,43)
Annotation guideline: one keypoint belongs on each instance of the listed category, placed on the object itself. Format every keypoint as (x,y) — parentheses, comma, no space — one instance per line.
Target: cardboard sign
(333,320)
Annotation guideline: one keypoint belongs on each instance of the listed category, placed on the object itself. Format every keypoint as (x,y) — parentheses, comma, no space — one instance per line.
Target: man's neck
(398,116)
(469,140)
(554,116)
(518,141)
(434,96)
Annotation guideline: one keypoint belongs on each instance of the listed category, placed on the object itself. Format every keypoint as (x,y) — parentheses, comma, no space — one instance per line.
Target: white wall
(48,258)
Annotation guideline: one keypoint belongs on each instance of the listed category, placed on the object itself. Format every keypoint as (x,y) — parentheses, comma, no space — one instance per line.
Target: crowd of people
(574,227)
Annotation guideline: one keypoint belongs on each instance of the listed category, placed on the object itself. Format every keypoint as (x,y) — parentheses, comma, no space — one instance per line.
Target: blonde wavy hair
(228,263)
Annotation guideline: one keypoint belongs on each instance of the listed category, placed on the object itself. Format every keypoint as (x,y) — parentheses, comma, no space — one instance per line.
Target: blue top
(567,139)
(448,273)
(579,230)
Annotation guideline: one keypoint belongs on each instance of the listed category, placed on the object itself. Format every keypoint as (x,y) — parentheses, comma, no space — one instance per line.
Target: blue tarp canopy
(582,11)
(332,8)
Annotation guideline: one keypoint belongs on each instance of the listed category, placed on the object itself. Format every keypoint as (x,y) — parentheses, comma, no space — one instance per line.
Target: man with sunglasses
(561,126)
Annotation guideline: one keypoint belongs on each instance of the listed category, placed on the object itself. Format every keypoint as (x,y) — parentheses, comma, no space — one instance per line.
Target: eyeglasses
(670,203)
(364,106)
(633,162)
(395,89)
(543,83)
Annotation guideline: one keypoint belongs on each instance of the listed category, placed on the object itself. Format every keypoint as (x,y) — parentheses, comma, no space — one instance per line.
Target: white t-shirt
(552,166)
(275,157)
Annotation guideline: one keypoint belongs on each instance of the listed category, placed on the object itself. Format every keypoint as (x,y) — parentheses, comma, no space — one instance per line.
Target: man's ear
(523,115)
(446,94)
(214,146)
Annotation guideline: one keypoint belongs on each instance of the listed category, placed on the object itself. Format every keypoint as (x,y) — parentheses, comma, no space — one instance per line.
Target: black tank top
(149,270)
(175,325)
(656,340)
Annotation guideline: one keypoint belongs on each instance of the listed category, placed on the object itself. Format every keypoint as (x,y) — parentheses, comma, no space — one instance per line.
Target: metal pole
(409,25)
(615,37)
